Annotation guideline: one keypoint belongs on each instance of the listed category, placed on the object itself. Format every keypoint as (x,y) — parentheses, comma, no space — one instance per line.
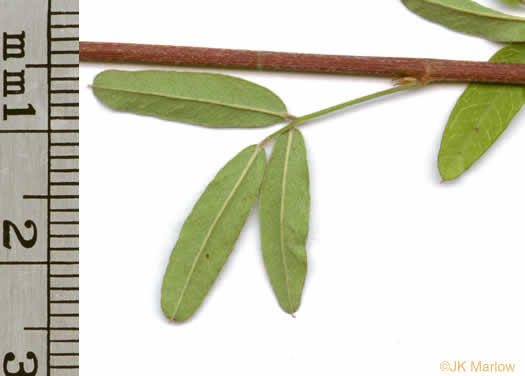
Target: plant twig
(425,70)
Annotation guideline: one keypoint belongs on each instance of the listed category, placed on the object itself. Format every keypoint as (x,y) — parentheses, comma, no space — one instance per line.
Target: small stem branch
(425,70)
(337,107)
(352,102)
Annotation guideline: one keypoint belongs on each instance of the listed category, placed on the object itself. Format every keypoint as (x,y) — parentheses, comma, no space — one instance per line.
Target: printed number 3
(26,243)
(10,357)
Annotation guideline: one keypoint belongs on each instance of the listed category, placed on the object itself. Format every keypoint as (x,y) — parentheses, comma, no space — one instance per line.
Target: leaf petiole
(340,106)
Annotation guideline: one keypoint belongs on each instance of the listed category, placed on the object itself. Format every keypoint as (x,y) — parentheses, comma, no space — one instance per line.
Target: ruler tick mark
(64,170)
(23,262)
(71,26)
(64,91)
(65,275)
(64,52)
(64,354)
(64,78)
(64,118)
(64,65)
(64,144)
(64,157)
(49,328)
(65,39)
(65,315)
(62,13)
(24,131)
(45,197)
(63,104)
(37,66)
(65,183)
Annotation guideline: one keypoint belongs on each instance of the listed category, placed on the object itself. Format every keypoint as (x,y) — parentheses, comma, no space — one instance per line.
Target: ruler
(39,188)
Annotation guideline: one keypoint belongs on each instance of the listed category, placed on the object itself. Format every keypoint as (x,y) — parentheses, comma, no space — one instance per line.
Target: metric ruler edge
(57,136)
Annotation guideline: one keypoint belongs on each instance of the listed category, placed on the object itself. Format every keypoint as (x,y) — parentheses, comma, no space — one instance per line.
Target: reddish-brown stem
(425,70)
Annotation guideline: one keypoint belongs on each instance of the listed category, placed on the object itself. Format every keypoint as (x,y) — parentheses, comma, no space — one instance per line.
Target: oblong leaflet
(208,99)
(284,216)
(210,232)
(481,114)
(472,18)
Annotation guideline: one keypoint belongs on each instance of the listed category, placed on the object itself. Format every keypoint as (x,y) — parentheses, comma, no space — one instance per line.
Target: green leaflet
(471,18)
(481,114)
(284,214)
(512,1)
(209,233)
(209,99)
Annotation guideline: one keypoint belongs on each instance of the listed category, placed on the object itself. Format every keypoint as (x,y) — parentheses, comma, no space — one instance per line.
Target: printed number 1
(26,243)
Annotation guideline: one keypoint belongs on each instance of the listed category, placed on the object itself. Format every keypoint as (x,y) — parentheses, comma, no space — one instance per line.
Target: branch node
(398,81)
(426,78)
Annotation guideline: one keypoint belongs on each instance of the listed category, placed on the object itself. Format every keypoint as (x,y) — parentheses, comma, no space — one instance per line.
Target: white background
(404,272)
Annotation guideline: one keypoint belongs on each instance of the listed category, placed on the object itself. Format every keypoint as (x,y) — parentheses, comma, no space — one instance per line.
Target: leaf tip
(447,175)
(174,316)
(450,174)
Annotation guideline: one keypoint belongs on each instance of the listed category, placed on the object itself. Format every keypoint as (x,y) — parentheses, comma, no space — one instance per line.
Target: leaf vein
(281,218)
(207,101)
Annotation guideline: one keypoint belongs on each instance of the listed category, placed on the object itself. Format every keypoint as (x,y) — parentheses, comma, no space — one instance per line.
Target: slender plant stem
(337,107)
(425,70)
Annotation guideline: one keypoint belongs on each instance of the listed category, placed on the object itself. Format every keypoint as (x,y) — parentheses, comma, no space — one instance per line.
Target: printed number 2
(21,370)
(26,243)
